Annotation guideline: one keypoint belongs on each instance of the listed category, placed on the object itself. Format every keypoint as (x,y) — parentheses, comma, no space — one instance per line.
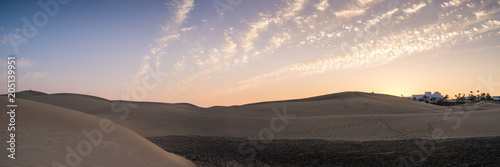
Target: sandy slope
(45,134)
(342,116)
(347,103)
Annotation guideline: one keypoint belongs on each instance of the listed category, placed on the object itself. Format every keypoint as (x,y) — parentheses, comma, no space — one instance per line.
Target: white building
(496,98)
(435,96)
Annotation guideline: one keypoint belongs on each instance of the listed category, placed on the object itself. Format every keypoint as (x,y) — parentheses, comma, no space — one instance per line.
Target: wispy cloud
(376,20)
(359,34)
(282,16)
(170,32)
(182,10)
(36,75)
(365,2)
(380,50)
(189,28)
(415,8)
(292,9)
(322,5)
(452,3)
(254,31)
(350,13)
(278,40)
(480,14)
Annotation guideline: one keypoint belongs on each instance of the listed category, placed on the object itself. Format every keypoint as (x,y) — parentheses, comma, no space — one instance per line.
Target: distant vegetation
(459,98)
(462,98)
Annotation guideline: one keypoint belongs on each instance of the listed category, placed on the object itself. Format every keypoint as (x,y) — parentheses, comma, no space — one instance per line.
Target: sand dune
(84,103)
(47,135)
(343,116)
(52,125)
(347,103)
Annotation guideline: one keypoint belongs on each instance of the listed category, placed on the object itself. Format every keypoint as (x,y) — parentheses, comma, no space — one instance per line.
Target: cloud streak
(381,50)
(356,34)
(170,32)
(415,8)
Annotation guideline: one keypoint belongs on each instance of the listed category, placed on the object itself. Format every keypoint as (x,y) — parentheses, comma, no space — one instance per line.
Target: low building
(429,96)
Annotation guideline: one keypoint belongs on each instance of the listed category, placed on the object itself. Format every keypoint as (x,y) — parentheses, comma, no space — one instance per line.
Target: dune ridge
(353,116)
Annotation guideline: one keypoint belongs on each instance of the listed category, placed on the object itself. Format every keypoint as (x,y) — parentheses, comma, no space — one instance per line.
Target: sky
(231,52)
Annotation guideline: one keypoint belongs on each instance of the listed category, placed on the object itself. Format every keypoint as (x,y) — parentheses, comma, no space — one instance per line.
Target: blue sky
(255,50)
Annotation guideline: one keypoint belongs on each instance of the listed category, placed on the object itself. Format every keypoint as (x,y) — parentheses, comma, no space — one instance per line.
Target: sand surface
(49,124)
(345,116)
(224,151)
(45,134)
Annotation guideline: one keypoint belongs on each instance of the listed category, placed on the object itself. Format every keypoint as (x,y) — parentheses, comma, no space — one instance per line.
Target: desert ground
(45,134)
(343,129)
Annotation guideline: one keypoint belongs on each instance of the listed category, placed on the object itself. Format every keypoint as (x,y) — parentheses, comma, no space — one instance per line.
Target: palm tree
(472,98)
(480,96)
(443,100)
(488,97)
(457,97)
